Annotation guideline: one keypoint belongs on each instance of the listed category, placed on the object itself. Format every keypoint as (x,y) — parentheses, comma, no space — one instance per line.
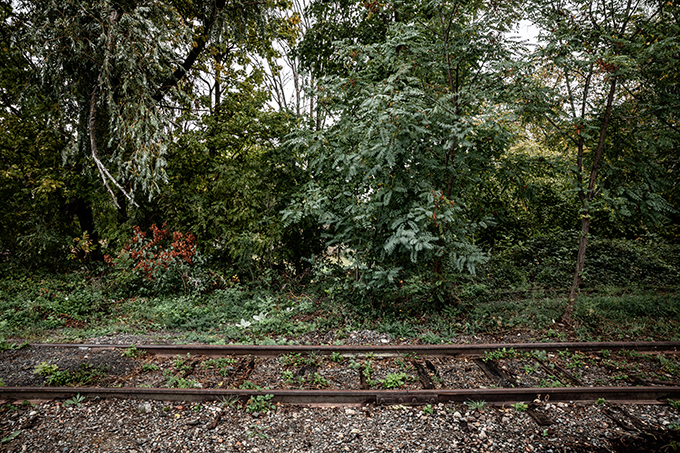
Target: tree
(93,93)
(657,51)
(228,182)
(227,178)
(284,77)
(113,68)
(415,118)
(42,198)
(325,25)
(587,57)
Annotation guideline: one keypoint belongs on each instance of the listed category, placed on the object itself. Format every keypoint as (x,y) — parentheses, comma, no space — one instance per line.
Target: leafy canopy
(415,118)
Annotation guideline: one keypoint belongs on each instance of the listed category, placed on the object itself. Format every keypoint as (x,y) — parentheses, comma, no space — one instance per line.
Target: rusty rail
(378,351)
(640,395)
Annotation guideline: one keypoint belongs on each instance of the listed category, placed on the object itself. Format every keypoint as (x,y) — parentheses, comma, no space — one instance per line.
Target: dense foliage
(438,159)
(416,123)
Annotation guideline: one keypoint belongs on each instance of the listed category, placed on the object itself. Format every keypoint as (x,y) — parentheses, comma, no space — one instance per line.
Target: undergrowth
(628,293)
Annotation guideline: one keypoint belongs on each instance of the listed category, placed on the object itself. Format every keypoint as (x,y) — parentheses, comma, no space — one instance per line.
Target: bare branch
(93,145)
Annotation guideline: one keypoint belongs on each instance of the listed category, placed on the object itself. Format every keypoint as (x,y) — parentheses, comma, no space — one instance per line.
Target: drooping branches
(108,65)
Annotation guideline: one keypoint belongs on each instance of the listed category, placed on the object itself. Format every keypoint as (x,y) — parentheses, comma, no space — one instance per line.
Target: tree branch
(93,145)
(189,61)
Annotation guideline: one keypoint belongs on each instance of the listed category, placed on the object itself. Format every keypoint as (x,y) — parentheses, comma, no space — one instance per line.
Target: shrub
(162,264)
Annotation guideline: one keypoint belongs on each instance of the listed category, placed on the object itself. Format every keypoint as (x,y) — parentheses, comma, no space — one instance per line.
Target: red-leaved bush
(159,263)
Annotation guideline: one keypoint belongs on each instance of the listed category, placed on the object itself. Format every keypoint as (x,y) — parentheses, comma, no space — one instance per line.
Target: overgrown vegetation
(421,182)
(82,304)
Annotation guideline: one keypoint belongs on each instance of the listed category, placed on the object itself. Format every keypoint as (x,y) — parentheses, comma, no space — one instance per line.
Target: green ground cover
(631,298)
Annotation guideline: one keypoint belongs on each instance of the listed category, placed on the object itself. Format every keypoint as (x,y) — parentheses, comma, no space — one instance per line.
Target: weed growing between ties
(223,365)
(86,374)
(260,403)
(476,405)
(133,352)
(75,401)
(396,380)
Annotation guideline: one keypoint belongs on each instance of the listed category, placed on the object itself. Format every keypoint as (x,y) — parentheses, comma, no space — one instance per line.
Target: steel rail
(499,396)
(377,351)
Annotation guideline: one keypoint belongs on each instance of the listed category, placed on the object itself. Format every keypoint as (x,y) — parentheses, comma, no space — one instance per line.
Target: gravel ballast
(154,426)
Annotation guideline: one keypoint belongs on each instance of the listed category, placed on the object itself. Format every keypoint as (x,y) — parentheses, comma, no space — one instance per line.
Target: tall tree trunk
(586,200)
(216,106)
(82,209)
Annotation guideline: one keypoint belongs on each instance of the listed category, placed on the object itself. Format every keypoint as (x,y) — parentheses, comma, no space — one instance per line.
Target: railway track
(621,372)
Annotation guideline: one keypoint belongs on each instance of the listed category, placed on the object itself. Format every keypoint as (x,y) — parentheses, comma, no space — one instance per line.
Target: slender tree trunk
(216,106)
(586,200)
(218,95)
(580,262)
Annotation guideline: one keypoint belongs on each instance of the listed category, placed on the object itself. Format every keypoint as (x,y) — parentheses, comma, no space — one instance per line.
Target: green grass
(78,306)
(630,317)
